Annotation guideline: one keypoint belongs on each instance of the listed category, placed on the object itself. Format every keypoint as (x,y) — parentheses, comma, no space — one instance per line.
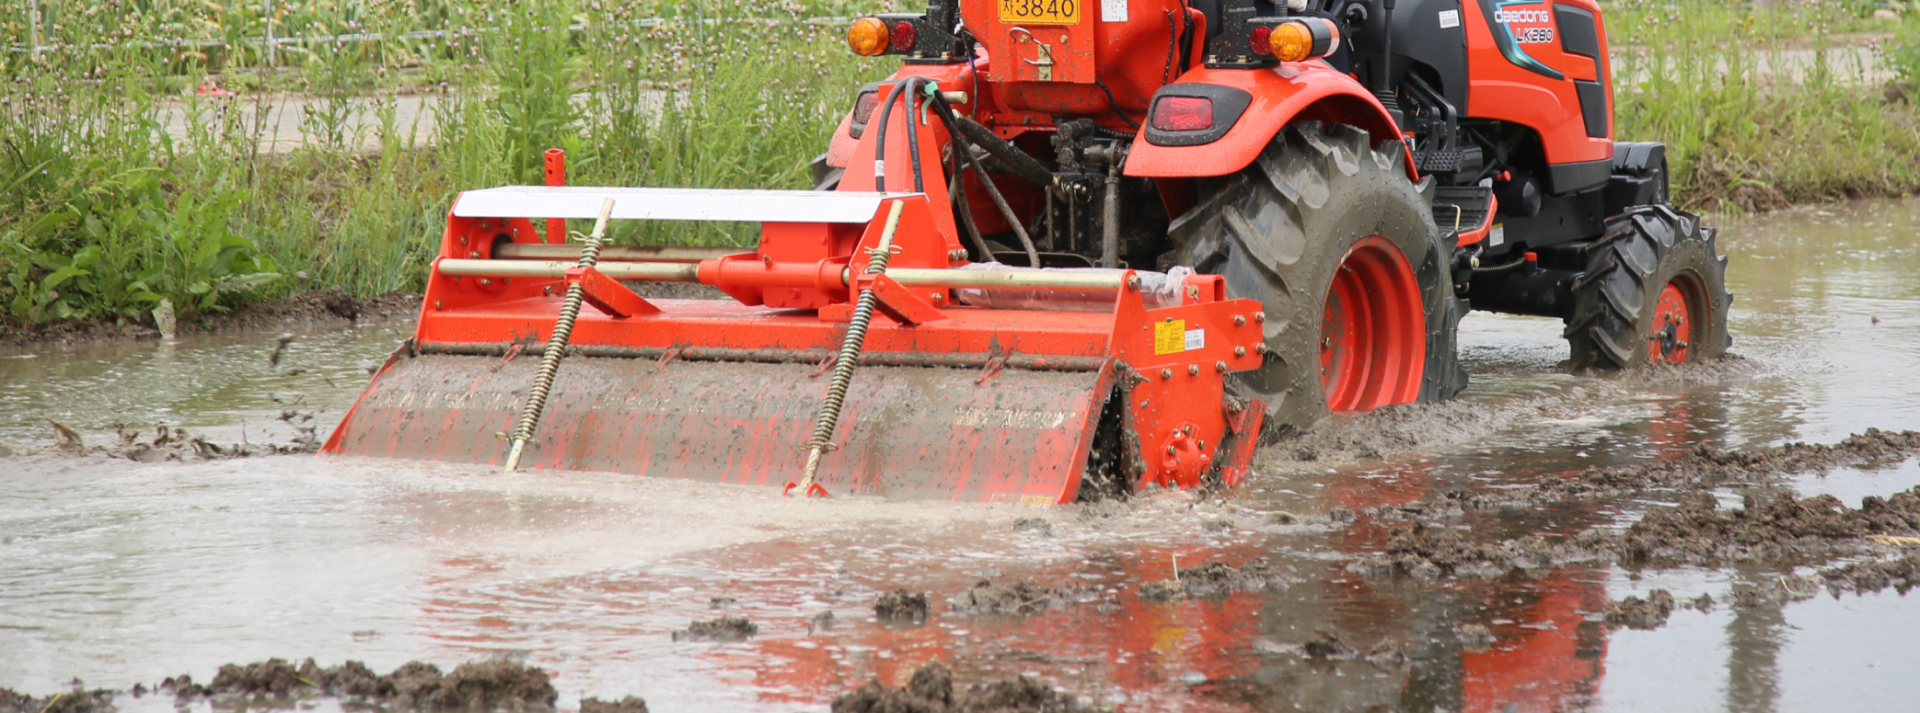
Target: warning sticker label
(1170,337)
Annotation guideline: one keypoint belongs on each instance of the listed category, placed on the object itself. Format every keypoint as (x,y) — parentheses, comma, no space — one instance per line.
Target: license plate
(1041,12)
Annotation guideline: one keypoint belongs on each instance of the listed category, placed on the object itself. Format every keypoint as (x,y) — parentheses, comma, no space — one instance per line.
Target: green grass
(1741,135)
(103,213)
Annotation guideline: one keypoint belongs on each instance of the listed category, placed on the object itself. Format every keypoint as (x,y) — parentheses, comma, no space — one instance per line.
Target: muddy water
(119,572)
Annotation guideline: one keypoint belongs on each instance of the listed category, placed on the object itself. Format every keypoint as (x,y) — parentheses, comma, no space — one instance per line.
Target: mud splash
(161,443)
(330,306)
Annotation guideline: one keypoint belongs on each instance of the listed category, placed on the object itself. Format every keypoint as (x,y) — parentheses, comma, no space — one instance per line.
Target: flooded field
(1299,591)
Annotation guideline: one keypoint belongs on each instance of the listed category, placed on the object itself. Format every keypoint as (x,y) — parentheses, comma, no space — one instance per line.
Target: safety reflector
(1182,114)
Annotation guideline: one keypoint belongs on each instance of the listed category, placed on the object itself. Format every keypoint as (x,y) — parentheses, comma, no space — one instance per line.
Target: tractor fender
(1292,91)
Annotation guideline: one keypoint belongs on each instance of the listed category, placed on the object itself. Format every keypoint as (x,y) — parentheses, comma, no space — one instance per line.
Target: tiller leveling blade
(949,401)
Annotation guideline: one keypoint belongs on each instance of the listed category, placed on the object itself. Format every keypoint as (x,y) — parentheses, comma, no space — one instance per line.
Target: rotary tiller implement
(949,401)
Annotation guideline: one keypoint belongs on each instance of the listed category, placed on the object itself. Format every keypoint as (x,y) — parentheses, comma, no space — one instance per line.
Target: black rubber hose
(913,136)
(952,121)
(1016,161)
(880,140)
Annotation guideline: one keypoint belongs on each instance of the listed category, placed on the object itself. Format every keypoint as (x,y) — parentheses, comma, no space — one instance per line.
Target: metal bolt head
(1187,429)
(1260,348)
(1239,320)
(1170,449)
(1474,262)
(549,290)
(1260,317)
(1220,366)
(1193,370)
(1239,351)
(486,281)
(473,254)
(1133,282)
(1166,373)
(437,304)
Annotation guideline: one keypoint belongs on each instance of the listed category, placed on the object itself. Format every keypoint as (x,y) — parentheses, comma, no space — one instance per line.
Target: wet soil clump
(1767,527)
(630,704)
(1874,575)
(726,628)
(494,684)
(931,690)
(1430,551)
(1020,597)
(1213,580)
(77,700)
(901,605)
(1703,466)
(320,307)
(1636,613)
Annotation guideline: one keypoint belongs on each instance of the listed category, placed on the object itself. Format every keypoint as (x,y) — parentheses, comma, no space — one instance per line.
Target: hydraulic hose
(829,417)
(557,344)
(953,127)
(1016,161)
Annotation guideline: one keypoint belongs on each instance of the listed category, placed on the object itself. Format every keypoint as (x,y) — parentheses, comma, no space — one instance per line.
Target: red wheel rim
(1672,331)
(1373,347)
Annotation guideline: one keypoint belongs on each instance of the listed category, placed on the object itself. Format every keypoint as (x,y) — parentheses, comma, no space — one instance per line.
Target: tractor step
(1461,209)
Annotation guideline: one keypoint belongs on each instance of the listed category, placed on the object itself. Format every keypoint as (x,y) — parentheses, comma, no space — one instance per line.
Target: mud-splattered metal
(953,402)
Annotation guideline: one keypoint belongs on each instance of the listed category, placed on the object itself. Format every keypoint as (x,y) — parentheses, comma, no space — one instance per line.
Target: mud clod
(1428,551)
(901,605)
(1766,527)
(1212,580)
(77,700)
(478,685)
(1636,613)
(630,704)
(1872,576)
(1017,598)
(931,690)
(726,628)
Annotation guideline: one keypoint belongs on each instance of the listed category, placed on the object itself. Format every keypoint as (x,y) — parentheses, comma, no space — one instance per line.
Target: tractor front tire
(1654,291)
(1328,233)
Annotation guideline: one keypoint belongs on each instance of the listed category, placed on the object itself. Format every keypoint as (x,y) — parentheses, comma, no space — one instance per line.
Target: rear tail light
(868,37)
(863,107)
(903,37)
(1182,114)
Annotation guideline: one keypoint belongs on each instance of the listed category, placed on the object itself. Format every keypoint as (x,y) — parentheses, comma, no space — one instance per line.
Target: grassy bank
(104,212)
(1760,109)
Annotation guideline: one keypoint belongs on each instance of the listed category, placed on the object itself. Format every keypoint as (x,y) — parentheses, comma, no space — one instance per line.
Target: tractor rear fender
(1293,91)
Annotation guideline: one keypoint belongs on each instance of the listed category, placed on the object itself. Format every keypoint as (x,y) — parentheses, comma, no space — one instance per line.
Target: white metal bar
(711,204)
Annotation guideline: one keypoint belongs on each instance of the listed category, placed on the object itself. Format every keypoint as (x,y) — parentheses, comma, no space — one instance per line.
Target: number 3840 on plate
(1041,12)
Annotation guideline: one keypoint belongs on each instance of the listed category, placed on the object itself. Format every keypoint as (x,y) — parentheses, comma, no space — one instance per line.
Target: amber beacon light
(868,37)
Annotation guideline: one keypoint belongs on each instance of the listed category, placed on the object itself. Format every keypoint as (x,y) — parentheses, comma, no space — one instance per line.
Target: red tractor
(1072,250)
(1367,171)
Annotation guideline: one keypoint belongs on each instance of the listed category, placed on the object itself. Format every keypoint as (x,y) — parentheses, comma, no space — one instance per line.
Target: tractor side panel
(1304,91)
(1542,64)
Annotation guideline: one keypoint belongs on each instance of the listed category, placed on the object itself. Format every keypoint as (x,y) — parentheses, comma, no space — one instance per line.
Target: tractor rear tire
(1654,291)
(1324,202)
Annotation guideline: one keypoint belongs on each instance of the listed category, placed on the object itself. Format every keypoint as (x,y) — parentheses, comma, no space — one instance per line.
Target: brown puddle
(120,572)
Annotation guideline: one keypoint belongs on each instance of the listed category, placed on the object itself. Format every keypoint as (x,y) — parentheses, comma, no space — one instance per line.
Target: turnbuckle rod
(848,359)
(556,344)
